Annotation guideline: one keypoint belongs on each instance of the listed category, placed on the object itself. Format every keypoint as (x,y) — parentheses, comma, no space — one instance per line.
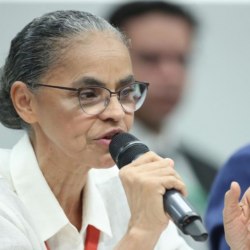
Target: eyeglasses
(94,100)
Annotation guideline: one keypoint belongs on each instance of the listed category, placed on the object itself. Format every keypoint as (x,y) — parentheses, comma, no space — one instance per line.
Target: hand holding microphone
(162,184)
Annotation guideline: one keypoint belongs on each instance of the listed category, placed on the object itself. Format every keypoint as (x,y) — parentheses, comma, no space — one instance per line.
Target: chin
(106,162)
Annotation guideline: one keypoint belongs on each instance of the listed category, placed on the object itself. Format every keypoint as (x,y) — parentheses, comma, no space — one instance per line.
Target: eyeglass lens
(94,100)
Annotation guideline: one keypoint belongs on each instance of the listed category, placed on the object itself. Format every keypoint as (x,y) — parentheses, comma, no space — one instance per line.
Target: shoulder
(241,154)
(8,156)
(4,162)
(16,221)
(237,164)
(4,155)
(11,207)
(236,168)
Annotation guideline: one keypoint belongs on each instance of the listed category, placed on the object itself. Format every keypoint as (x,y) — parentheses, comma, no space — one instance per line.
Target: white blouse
(30,214)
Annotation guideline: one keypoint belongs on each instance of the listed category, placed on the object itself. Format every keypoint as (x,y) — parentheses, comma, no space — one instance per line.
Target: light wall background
(215,115)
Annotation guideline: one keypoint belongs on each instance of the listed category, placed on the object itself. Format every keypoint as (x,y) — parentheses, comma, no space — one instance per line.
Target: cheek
(129,120)
(73,139)
(64,123)
(56,108)
(78,128)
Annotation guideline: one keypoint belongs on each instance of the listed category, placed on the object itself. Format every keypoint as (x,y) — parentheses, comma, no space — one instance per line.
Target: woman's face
(62,128)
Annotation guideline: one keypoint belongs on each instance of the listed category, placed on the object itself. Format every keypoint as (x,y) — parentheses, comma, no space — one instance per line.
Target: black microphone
(124,148)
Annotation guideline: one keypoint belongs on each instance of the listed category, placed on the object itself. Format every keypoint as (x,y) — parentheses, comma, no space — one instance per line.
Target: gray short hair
(37,47)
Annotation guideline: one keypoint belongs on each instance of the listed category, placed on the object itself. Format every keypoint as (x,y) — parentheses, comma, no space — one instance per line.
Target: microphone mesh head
(124,148)
(119,141)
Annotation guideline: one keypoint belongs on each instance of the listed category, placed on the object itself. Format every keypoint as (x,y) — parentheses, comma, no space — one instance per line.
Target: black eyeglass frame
(78,90)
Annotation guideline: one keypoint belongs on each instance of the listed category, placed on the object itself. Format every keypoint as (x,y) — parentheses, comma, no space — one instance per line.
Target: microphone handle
(183,215)
(177,207)
(124,149)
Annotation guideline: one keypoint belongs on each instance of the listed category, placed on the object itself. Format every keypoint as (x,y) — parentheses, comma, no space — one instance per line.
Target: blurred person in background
(161,36)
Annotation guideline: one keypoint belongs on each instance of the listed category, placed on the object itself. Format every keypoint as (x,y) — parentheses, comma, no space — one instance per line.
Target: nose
(114,110)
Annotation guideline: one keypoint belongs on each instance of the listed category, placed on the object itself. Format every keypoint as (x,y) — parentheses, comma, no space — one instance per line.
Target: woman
(68,82)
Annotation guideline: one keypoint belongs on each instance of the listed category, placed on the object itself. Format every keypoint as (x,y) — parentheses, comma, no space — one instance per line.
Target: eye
(150,58)
(90,96)
(128,90)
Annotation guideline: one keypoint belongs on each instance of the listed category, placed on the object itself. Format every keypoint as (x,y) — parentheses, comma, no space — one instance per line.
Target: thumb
(232,196)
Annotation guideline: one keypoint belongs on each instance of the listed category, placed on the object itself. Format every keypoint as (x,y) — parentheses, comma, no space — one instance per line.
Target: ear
(23,100)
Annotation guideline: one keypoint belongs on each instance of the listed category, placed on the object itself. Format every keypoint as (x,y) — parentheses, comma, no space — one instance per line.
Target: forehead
(158,30)
(98,45)
(99,55)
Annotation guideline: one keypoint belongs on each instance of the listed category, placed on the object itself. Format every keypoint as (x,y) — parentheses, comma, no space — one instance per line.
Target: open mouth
(107,137)
(110,136)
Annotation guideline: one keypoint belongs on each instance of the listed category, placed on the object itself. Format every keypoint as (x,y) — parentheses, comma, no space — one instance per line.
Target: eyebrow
(91,81)
(127,80)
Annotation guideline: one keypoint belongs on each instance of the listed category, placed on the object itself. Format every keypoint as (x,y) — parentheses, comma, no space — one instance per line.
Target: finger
(232,196)
(158,168)
(170,162)
(246,197)
(146,158)
(172,183)
(153,163)
(245,203)
(162,172)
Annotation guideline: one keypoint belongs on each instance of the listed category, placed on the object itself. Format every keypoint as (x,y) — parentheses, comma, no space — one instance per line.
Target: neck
(66,179)
(68,189)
